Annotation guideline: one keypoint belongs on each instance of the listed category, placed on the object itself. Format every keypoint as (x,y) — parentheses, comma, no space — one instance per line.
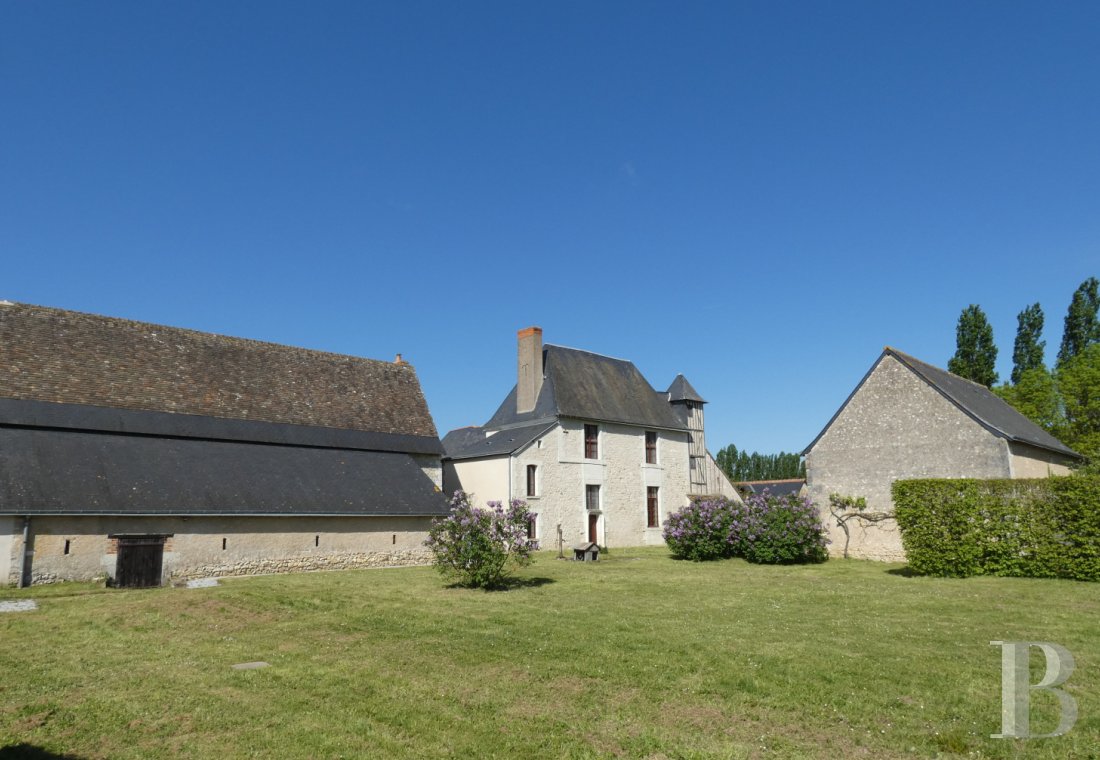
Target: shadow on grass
(904,572)
(30,752)
(56,591)
(508,584)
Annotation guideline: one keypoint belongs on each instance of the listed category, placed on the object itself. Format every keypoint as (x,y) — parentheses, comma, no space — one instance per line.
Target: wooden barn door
(140,560)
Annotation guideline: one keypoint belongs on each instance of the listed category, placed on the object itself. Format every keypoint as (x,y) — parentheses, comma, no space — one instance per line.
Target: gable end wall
(895,427)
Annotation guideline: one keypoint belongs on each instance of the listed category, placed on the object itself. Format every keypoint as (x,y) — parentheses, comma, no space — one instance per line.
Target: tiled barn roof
(69,357)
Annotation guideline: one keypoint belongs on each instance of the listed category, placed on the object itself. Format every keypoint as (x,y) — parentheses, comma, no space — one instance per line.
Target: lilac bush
(480,547)
(764,529)
(704,529)
(784,530)
(697,531)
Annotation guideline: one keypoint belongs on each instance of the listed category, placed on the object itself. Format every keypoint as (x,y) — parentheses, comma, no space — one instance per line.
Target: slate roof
(104,416)
(984,406)
(583,385)
(973,399)
(773,487)
(93,473)
(681,390)
(48,415)
(471,442)
(69,357)
(460,438)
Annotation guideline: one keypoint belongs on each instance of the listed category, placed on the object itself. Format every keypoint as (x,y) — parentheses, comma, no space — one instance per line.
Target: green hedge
(1044,528)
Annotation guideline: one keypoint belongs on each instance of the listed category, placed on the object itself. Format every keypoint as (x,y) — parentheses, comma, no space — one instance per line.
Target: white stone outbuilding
(908,419)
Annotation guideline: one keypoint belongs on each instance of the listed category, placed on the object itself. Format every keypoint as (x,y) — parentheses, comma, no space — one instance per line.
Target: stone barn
(908,419)
(146,454)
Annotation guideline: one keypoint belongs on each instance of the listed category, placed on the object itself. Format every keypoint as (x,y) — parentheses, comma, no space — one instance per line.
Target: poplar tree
(975,353)
(1035,395)
(740,466)
(727,460)
(1079,383)
(1082,327)
(1027,353)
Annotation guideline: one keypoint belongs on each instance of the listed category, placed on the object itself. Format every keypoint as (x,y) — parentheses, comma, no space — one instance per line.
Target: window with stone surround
(591,441)
(653,518)
(532,480)
(592,498)
(650,447)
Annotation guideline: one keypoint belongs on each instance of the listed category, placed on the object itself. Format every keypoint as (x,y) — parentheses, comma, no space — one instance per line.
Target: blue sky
(760,196)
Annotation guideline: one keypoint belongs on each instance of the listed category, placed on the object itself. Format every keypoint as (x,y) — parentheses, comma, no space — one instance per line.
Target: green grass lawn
(636,656)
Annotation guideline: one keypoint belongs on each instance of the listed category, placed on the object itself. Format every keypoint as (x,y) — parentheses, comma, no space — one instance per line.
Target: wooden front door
(593,525)
(140,560)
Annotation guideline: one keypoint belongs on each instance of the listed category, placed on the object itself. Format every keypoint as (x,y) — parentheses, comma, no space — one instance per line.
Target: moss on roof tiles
(71,357)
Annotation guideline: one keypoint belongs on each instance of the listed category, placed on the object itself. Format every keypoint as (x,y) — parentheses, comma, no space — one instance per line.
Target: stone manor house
(595,451)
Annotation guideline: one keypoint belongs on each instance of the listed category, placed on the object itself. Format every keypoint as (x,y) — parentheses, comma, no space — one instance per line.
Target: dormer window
(591,441)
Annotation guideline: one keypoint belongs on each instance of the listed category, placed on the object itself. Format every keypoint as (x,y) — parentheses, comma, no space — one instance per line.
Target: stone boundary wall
(301,564)
(304,563)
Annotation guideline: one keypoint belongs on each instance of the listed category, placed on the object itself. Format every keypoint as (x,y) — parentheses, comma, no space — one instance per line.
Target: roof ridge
(124,321)
(586,351)
(1003,428)
(910,357)
(582,384)
(73,357)
(909,360)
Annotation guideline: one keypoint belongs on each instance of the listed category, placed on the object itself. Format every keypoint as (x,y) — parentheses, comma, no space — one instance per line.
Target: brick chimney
(530,369)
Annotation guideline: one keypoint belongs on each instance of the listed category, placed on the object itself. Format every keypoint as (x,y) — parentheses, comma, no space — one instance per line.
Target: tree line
(741,465)
(1065,400)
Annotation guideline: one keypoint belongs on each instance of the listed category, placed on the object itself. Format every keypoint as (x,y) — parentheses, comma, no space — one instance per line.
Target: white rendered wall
(486,479)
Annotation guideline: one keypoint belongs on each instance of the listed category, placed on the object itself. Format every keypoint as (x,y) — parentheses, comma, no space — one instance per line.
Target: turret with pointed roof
(681,390)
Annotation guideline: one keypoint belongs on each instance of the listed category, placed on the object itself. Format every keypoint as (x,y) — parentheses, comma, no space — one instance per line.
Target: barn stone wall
(895,427)
(252,545)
